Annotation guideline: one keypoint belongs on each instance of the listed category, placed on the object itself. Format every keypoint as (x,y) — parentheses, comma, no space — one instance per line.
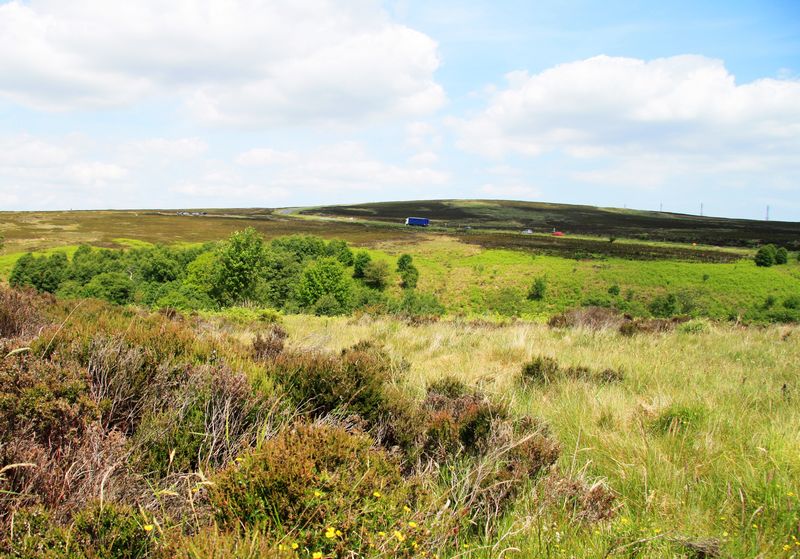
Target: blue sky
(218,103)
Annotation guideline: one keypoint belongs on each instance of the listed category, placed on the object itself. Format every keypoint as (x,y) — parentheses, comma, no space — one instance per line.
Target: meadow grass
(701,440)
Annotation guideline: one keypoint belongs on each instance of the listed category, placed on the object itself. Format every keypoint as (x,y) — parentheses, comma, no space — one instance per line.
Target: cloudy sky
(234,103)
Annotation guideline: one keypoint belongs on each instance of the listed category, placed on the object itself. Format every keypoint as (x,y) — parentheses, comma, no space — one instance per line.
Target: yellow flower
(787,547)
(376,494)
(317,493)
(406,509)
(381,534)
(412,524)
(317,555)
(724,534)
(338,532)
(148,527)
(330,533)
(399,535)
(790,494)
(415,545)
(294,545)
(657,530)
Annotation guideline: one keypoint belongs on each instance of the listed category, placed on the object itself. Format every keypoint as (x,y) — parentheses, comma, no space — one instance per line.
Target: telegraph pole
(767,218)
(701,209)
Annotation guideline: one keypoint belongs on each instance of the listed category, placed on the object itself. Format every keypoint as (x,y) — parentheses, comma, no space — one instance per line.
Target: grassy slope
(732,477)
(463,276)
(505,214)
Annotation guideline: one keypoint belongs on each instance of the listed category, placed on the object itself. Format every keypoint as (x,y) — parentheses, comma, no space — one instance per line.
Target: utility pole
(661,206)
(701,209)
(767,218)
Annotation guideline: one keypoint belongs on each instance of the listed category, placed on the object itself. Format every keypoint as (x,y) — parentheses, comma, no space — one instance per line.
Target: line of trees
(298,273)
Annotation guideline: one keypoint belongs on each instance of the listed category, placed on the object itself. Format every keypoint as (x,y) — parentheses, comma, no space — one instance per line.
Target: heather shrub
(268,344)
(321,383)
(20,313)
(546,370)
(327,490)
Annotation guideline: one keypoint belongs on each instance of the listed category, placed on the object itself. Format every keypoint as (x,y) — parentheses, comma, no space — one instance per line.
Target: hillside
(576,220)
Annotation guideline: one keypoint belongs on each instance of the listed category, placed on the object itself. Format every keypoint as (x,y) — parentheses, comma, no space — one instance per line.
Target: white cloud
(180,148)
(238,62)
(340,167)
(683,114)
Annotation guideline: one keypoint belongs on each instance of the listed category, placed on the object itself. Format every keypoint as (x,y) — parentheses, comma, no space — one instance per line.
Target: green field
(640,403)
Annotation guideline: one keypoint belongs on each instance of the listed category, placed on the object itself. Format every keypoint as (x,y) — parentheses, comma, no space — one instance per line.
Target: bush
(538,289)
(765,256)
(114,287)
(325,276)
(614,290)
(546,370)
(409,278)
(792,302)
(781,255)
(417,304)
(351,382)
(360,261)
(326,489)
(270,344)
(376,275)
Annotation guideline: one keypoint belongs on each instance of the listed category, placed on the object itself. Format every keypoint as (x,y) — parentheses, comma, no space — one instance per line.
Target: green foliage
(305,247)
(339,250)
(360,262)
(781,255)
(614,290)
(409,278)
(541,369)
(351,382)
(114,287)
(404,262)
(329,490)
(765,256)
(237,267)
(414,303)
(325,276)
(376,275)
(45,273)
(792,302)
(538,289)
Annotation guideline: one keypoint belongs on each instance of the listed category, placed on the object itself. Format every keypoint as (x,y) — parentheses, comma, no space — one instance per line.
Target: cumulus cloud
(237,62)
(342,167)
(509,191)
(665,116)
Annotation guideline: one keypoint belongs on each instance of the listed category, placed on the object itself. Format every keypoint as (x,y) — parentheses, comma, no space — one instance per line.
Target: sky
(276,103)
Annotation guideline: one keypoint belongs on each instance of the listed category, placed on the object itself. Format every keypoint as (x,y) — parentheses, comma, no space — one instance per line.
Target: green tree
(376,275)
(360,261)
(404,262)
(339,250)
(538,289)
(765,257)
(237,267)
(325,276)
(115,287)
(781,256)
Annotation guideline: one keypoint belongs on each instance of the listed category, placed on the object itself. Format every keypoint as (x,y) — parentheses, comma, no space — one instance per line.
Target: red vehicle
(558,234)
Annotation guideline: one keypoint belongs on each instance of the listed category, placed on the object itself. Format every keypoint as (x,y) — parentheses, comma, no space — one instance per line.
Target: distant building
(418,221)
(527,232)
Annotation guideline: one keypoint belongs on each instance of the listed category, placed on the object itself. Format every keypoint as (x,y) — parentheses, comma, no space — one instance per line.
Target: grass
(731,474)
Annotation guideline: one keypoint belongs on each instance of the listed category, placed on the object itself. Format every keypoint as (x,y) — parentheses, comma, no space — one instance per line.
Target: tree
(376,275)
(339,250)
(409,275)
(325,276)
(765,257)
(360,261)
(538,288)
(237,267)
(404,262)
(115,287)
(781,256)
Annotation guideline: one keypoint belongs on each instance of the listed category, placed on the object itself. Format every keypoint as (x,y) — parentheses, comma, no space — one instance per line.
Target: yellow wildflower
(405,508)
(294,545)
(381,534)
(399,535)
(317,555)
(376,494)
(317,493)
(412,524)
(148,527)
